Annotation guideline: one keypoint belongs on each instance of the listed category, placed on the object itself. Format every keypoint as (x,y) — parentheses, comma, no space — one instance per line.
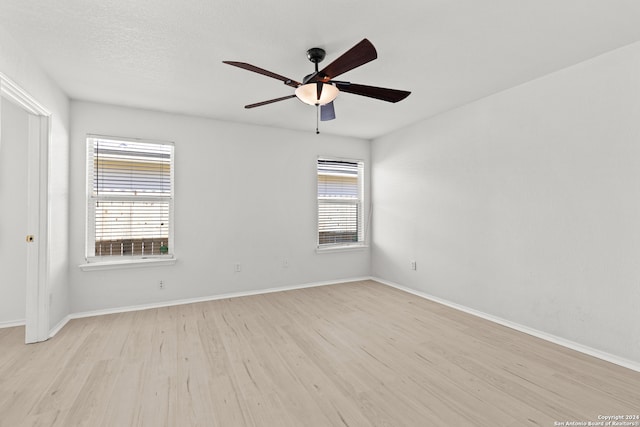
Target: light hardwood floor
(354,354)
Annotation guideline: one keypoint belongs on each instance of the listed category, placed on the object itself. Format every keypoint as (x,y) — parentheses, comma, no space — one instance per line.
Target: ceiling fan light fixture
(309,93)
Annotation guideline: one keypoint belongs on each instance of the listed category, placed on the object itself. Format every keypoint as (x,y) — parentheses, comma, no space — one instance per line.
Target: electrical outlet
(237,267)
(413,265)
(161,284)
(285,263)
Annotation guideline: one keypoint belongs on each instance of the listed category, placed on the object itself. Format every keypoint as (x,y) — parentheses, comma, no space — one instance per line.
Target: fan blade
(384,94)
(249,67)
(271,101)
(319,90)
(327,112)
(358,55)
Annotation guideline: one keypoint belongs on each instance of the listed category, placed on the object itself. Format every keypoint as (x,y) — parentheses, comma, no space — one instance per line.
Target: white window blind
(130,198)
(340,218)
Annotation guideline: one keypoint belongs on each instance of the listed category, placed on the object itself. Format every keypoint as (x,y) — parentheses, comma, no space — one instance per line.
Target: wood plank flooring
(354,354)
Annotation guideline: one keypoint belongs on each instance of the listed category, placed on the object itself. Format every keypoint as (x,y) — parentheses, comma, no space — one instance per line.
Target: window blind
(130,197)
(339,202)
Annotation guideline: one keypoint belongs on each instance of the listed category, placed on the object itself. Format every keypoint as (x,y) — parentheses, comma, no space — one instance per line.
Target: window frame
(362,226)
(97,262)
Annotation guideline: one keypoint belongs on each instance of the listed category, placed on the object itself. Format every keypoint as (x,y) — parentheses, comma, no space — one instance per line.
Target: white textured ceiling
(167,54)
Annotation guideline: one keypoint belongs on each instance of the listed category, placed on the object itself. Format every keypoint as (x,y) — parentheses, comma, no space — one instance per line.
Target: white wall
(14,124)
(524,205)
(244,194)
(17,65)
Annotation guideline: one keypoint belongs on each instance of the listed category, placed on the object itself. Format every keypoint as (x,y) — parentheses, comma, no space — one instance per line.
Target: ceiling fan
(319,88)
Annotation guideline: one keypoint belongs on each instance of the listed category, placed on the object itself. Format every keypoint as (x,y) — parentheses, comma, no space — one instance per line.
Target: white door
(14,138)
(25,121)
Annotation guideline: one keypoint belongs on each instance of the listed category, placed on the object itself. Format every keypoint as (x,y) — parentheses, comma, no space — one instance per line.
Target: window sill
(341,248)
(131,263)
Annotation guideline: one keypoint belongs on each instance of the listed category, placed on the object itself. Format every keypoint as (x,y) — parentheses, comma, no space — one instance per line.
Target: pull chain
(317,118)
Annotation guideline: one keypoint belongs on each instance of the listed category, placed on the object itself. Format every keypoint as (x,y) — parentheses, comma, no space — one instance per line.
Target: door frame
(38,214)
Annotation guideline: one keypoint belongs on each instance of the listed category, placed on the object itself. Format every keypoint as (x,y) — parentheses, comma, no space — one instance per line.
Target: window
(340,214)
(129,199)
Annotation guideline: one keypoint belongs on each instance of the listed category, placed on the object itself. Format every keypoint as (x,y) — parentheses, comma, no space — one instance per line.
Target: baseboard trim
(149,306)
(12,323)
(608,357)
(59,326)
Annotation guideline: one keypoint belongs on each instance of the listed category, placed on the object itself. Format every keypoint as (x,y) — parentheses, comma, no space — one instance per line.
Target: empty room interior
(219,213)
